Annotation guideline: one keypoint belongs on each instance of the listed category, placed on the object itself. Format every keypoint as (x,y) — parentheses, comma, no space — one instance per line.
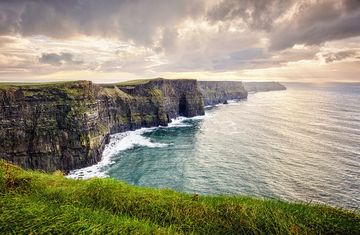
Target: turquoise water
(302,144)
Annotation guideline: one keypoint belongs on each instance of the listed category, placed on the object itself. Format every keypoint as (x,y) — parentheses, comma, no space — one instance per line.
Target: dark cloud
(318,23)
(59,59)
(308,22)
(141,21)
(223,35)
(341,55)
(9,17)
(259,14)
(134,20)
(351,5)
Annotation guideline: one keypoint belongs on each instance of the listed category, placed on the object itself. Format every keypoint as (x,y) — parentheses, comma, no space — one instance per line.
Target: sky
(115,40)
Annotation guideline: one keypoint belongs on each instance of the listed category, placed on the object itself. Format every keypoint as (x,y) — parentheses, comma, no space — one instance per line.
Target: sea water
(302,144)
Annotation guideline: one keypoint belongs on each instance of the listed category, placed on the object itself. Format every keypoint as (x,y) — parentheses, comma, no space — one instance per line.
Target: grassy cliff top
(32,85)
(137,82)
(134,82)
(6,85)
(36,203)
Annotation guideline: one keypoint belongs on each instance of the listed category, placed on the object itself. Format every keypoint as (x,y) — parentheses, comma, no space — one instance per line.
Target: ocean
(301,144)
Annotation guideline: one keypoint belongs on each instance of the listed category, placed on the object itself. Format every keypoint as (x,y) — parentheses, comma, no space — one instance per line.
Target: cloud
(135,20)
(258,14)
(145,37)
(351,5)
(314,24)
(291,22)
(4,40)
(59,59)
(341,55)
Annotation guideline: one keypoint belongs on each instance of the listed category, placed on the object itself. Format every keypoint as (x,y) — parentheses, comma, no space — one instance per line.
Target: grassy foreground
(38,203)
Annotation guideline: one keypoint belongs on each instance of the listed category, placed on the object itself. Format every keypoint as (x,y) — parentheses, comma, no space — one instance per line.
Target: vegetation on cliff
(36,203)
(65,125)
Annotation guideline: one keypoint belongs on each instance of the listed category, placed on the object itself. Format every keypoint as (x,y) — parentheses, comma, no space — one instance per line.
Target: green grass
(37,203)
(135,82)
(72,89)
(6,85)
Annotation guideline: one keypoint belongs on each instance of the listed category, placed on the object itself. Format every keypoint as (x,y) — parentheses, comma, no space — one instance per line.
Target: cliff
(263,86)
(218,92)
(66,126)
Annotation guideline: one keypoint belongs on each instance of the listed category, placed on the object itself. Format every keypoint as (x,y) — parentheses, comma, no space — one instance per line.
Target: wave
(231,102)
(118,143)
(123,141)
(180,121)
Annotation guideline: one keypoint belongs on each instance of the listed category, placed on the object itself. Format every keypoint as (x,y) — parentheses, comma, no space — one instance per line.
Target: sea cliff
(263,86)
(218,92)
(65,126)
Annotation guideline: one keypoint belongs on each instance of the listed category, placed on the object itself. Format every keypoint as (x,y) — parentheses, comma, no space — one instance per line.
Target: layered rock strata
(263,86)
(64,126)
(218,92)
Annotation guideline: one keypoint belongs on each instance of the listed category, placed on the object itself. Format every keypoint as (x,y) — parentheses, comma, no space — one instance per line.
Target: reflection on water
(299,144)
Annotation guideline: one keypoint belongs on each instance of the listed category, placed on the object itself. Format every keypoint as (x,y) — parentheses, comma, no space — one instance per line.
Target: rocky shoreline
(65,126)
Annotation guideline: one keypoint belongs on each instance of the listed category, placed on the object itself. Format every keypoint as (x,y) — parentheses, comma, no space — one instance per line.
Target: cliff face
(218,92)
(66,126)
(51,127)
(263,86)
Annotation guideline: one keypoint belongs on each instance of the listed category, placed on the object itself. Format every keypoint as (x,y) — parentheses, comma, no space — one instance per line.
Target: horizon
(238,40)
(120,81)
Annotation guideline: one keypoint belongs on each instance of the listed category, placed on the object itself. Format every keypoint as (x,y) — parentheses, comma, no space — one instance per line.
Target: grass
(37,203)
(71,89)
(136,82)
(6,85)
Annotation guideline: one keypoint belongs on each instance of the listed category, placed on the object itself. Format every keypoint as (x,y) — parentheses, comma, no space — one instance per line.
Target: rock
(263,86)
(67,125)
(219,92)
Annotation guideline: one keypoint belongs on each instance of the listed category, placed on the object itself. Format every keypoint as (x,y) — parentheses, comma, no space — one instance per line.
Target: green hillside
(37,203)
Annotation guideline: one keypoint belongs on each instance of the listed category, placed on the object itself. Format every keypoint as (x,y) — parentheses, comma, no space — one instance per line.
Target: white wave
(118,143)
(121,142)
(199,117)
(233,101)
(221,104)
(179,121)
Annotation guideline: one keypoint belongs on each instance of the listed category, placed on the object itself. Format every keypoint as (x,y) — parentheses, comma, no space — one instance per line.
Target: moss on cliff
(6,85)
(156,95)
(114,92)
(37,203)
(64,125)
(134,82)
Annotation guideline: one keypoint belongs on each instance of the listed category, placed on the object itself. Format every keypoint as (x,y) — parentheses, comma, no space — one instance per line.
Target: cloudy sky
(110,40)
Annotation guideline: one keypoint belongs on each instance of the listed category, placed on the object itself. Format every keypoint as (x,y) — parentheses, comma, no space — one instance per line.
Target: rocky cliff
(263,86)
(218,92)
(66,126)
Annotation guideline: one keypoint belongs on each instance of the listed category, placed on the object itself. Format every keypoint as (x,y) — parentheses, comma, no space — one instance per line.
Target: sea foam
(118,143)
(124,141)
